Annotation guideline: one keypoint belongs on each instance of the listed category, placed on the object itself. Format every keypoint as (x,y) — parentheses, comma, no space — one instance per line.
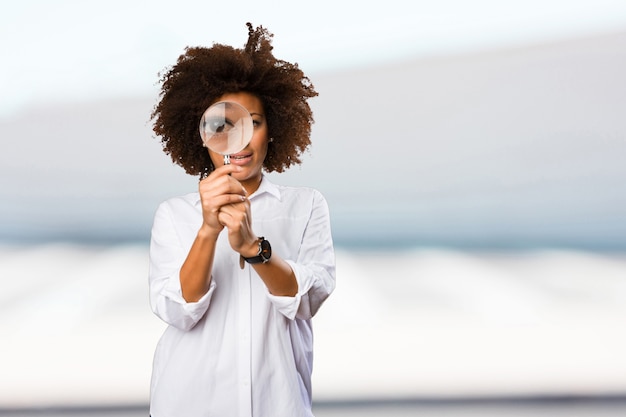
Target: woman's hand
(236,217)
(218,190)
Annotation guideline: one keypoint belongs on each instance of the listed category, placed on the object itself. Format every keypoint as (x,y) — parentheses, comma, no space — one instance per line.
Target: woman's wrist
(251,249)
(207,232)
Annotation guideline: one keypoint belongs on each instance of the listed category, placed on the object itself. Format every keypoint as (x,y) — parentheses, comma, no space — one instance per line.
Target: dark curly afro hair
(202,75)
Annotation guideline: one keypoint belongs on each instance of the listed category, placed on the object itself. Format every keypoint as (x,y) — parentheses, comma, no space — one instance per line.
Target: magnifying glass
(226,128)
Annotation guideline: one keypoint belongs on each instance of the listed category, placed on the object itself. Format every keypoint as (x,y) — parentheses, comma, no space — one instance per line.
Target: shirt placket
(244,345)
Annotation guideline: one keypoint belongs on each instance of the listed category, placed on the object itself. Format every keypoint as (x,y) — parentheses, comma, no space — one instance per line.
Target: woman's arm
(217,190)
(313,274)
(277,275)
(195,274)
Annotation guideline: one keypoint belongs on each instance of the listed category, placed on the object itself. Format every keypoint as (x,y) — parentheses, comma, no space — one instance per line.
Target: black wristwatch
(264,255)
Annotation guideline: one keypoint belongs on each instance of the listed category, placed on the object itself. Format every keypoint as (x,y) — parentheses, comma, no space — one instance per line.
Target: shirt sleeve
(167,255)
(315,267)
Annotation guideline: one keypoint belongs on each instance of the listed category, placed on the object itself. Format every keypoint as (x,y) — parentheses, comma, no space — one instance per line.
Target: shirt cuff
(290,305)
(286,305)
(194,310)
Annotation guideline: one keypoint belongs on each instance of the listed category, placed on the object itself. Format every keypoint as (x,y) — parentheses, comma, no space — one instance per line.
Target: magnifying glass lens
(226,127)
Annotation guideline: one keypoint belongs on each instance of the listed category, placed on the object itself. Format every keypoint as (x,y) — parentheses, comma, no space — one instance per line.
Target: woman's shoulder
(290,191)
(181,202)
(301,197)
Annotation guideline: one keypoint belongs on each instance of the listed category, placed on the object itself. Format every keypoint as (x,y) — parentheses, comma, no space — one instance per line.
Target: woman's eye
(256,123)
(218,125)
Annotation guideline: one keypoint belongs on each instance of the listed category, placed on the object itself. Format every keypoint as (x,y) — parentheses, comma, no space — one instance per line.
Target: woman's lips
(240,158)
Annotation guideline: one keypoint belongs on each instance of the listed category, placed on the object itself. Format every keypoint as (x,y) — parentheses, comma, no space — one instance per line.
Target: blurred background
(471,154)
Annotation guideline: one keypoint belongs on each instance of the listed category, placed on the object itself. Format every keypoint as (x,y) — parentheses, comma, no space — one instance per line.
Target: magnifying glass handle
(226,159)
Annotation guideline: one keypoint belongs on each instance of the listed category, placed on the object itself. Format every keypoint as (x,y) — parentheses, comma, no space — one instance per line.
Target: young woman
(239,268)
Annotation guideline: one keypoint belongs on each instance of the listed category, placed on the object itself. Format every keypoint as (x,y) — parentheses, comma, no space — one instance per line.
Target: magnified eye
(226,128)
(217,124)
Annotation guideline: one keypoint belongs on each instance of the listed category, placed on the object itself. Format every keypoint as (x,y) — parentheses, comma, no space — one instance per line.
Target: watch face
(266,249)
(265,252)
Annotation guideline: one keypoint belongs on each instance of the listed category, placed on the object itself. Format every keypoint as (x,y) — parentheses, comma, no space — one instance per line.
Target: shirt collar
(266,186)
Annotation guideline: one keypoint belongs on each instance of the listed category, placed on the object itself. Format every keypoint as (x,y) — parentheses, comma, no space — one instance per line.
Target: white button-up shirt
(239,351)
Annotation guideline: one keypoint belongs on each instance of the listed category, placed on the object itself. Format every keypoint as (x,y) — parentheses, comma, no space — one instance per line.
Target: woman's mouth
(240,158)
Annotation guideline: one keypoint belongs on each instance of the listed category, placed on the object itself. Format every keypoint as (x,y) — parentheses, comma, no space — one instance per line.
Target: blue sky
(72,50)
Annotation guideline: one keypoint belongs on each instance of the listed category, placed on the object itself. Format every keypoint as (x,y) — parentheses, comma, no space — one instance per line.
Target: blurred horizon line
(519,400)
(381,243)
